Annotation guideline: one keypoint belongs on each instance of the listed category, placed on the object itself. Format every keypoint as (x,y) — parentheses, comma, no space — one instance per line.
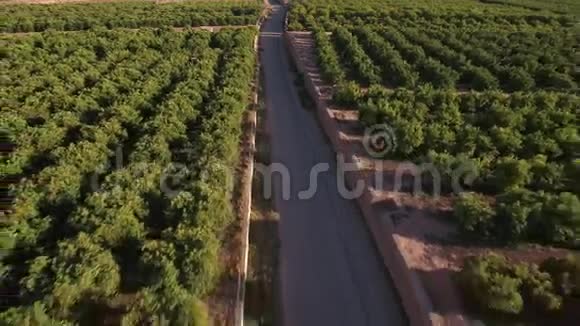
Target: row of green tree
(430,69)
(384,65)
(143,234)
(498,285)
(354,59)
(375,57)
(75,17)
(520,215)
(563,6)
(45,210)
(328,58)
(521,141)
(45,108)
(485,126)
(331,15)
(491,54)
(396,72)
(521,60)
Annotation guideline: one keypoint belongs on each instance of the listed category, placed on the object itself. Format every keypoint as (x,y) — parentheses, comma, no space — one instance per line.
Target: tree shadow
(156,220)
(261,299)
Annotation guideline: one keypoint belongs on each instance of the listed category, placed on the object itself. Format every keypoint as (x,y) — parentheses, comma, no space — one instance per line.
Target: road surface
(330,272)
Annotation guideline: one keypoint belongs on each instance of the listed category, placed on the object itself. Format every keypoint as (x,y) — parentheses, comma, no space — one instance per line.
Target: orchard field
(127,14)
(459,49)
(492,86)
(122,148)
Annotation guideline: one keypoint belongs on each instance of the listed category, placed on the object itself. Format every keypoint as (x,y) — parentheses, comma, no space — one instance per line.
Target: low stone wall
(414,300)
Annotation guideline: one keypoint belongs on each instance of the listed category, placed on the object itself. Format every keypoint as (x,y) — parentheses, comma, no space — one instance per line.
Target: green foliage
(507,142)
(513,209)
(86,228)
(497,285)
(347,94)
(517,79)
(164,299)
(572,172)
(359,64)
(488,281)
(537,288)
(550,78)
(437,74)
(480,79)
(562,6)
(73,17)
(328,58)
(546,175)
(396,71)
(561,219)
(82,267)
(474,215)
(34,315)
(186,310)
(521,215)
(511,173)
(565,273)
(450,45)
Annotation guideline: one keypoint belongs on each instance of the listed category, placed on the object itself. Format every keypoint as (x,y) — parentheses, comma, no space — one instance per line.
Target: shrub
(30,315)
(347,93)
(474,215)
(517,79)
(497,285)
(537,288)
(548,77)
(488,282)
(448,166)
(565,273)
(361,65)
(511,173)
(562,219)
(546,175)
(572,172)
(512,216)
(480,78)
(508,141)
(438,74)
(396,71)
(328,58)
(410,135)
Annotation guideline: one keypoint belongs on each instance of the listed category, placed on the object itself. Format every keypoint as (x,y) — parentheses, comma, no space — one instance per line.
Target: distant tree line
(130,14)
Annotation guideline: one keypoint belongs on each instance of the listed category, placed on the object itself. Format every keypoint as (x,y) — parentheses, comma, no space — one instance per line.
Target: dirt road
(331,273)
